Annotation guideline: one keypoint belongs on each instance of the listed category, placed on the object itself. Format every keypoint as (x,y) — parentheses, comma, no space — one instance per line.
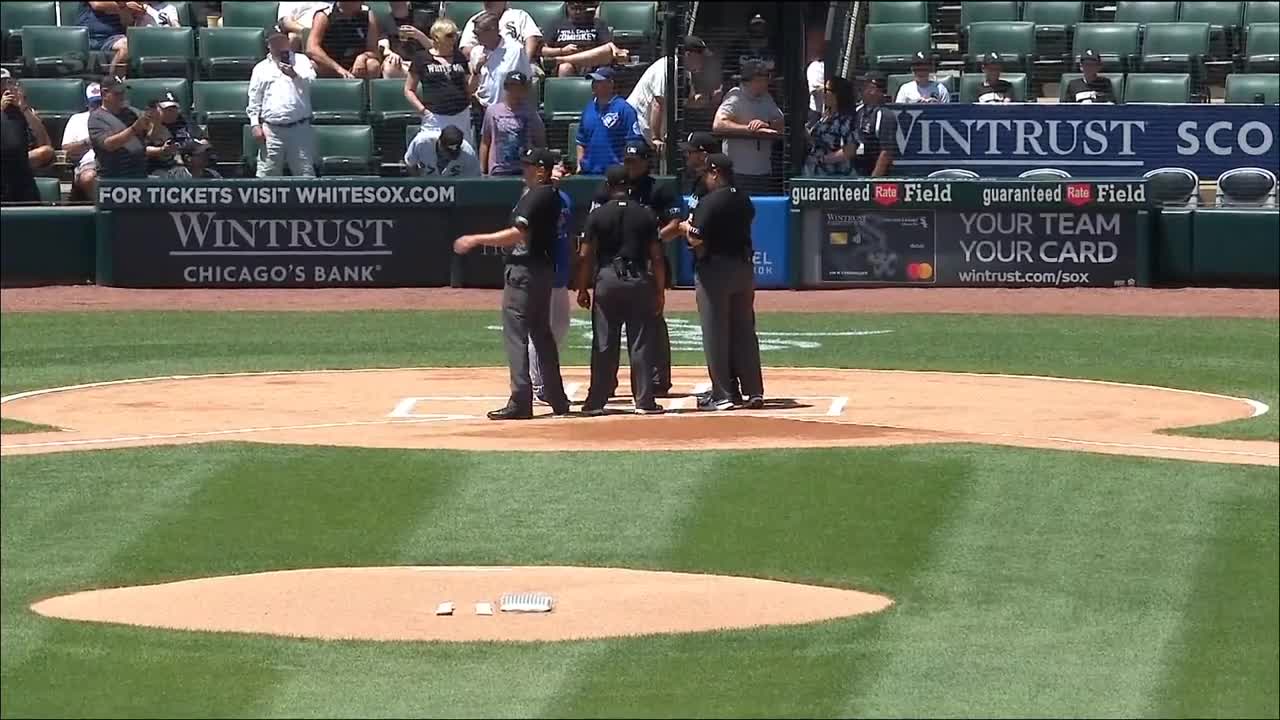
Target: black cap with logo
(991,58)
(1090,55)
(720,163)
(701,142)
(616,176)
(637,149)
(540,157)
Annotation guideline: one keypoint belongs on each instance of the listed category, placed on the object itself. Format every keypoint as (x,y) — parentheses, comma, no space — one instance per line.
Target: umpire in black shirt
(620,243)
(526,292)
(720,234)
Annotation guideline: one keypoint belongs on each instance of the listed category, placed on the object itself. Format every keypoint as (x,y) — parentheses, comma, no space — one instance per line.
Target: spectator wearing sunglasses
(833,137)
(442,83)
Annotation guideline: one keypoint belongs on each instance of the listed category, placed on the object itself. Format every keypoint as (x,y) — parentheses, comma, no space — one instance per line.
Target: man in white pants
(559,295)
(280,110)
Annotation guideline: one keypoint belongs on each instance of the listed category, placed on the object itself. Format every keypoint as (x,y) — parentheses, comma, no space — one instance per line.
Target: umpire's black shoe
(511,412)
(755,402)
(710,403)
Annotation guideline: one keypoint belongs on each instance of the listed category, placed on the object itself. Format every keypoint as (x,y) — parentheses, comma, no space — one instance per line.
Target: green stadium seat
(899,12)
(381,10)
(1144,12)
(1262,48)
(1173,186)
(953,174)
(1261,11)
(1117,84)
(49,50)
(972,11)
(1175,47)
(461,12)
(571,147)
(230,53)
(1242,87)
(55,98)
(1015,41)
(387,102)
(1044,174)
(14,15)
(545,14)
(1117,43)
(1246,187)
(50,189)
(69,12)
(344,150)
(337,101)
(630,20)
(565,98)
(221,101)
(140,91)
(890,46)
(1157,88)
(970,82)
(248,152)
(896,81)
(1053,16)
(250,13)
(161,51)
(1220,15)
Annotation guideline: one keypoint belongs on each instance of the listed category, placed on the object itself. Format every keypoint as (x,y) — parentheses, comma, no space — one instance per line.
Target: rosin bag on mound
(529,602)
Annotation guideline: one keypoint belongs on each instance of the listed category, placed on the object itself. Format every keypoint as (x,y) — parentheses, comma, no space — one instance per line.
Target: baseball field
(956,503)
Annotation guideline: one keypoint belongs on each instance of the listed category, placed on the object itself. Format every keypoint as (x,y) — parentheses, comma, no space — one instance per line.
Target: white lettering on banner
(376,195)
(1021,195)
(1050,251)
(1111,137)
(203,233)
(278,274)
(687,335)
(831,194)
(1189,138)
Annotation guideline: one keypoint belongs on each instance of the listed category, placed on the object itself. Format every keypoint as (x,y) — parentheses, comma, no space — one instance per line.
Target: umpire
(526,294)
(719,232)
(620,243)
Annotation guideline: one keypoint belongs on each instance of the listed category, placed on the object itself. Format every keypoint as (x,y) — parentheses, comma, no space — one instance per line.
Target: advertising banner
(1096,141)
(770,237)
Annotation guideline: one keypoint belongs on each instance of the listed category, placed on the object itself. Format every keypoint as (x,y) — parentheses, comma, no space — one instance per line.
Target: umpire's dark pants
(726,306)
(526,317)
(622,298)
(662,350)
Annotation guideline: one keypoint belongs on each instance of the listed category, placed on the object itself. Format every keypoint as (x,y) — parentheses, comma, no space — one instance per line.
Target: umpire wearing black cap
(720,234)
(526,293)
(620,243)
(876,128)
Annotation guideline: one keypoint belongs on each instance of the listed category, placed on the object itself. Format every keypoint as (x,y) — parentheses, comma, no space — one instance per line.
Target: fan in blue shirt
(561,252)
(608,123)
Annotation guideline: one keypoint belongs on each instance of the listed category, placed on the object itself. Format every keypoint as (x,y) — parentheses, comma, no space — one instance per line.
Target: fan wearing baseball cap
(510,127)
(445,155)
(876,128)
(752,122)
(994,89)
(75,143)
(607,124)
(1092,87)
(923,88)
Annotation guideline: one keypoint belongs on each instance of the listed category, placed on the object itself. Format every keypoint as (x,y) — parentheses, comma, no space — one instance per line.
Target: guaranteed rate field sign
(972,233)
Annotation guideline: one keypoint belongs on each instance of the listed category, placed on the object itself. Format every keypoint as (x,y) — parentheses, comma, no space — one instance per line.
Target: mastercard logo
(919,271)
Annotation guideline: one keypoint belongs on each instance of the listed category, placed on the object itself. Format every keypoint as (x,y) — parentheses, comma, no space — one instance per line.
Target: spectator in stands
(876,127)
(754,48)
(833,139)
(752,120)
(280,110)
(993,88)
(923,88)
(18,132)
(158,13)
(816,75)
(581,42)
(106,22)
(493,57)
(75,143)
(344,42)
(648,97)
(510,127)
(442,83)
(402,39)
(514,24)
(608,123)
(198,159)
(116,133)
(1092,88)
(171,136)
(295,18)
(447,154)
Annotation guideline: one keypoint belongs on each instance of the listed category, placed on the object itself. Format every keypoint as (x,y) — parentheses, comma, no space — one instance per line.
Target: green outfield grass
(1027,582)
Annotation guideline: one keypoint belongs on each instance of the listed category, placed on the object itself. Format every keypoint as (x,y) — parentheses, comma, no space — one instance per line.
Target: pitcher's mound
(399,603)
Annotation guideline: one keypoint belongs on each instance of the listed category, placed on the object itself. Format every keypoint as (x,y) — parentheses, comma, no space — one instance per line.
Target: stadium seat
(1044,174)
(55,98)
(161,51)
(1054,23)
(954,174)
(140,91)
(248,152)
(1015,41)
(1144,13)
(1244,87)
(972,11)
(69,12)
(1117,43)
(1220,15)
(1262,48)
(1175,47)
(230,53)
(220,101)
(907,11)
(250,13)
(461,12)
(1173,186)
(1246,187)
(565,98)
(387,102)
(545,14)
(337,101)
(970,82)
(381,10)
(49,50)
(1117,84)
(571,147)
(890,47)
(344,150)
(948,79)
(14,15)
(1261,11)
(1158,88)
(630,20)
(50,189)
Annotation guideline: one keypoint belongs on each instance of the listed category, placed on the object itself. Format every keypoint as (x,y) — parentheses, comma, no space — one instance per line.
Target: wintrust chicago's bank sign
(1087,140)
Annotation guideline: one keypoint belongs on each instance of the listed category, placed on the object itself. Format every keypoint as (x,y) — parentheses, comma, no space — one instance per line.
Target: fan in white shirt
(922,89)
(279,109)
(295,18)
(75,143)
(158,14)
(515,25)
(649,97)
(493,58)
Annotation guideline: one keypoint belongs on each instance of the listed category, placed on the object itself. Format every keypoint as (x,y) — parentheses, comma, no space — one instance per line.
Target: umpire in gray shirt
(719,232)
(526,293)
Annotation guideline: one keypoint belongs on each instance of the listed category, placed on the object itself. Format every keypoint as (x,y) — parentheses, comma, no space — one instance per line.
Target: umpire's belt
(288,124)
(746,255)
(626,268)
(533,261)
